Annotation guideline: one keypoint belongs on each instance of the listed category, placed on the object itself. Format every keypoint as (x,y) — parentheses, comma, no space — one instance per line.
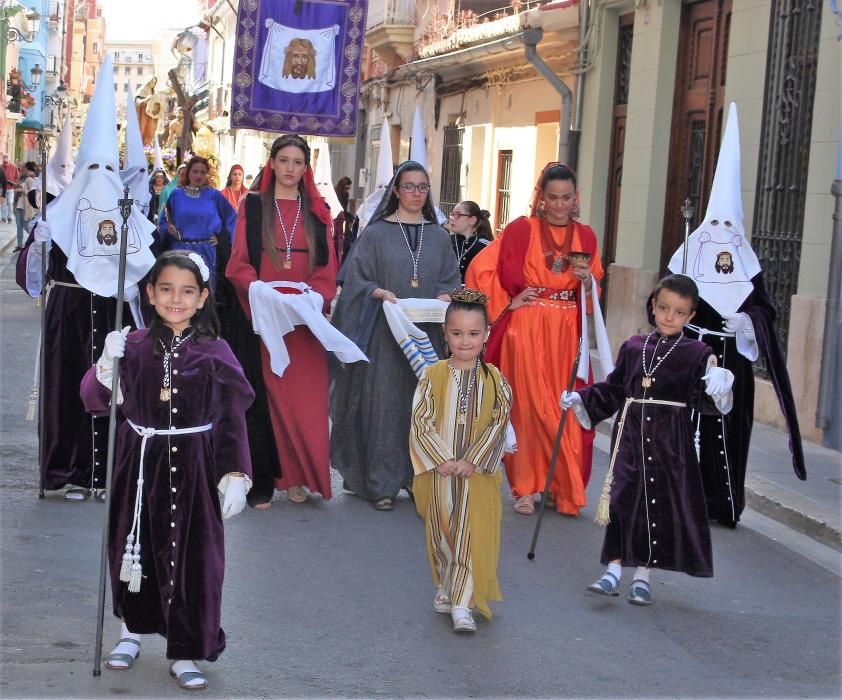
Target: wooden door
(697,115)
(504,190)
(622,73)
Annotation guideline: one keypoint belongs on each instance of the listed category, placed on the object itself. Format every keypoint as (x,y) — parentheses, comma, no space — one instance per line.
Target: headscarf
(428,211)
(234,167)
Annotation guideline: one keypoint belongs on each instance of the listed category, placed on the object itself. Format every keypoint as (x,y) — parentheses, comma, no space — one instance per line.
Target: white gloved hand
(42,233)
(569,399)
(738,323)
(718,381)
(234,499)
(115,346)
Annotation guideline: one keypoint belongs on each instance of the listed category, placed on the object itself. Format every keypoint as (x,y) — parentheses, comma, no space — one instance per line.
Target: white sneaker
(441,602)
(463,620)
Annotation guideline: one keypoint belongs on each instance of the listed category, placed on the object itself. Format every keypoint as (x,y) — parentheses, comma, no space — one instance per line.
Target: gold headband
(468,296)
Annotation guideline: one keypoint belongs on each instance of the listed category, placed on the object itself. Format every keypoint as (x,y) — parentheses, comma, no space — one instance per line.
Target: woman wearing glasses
(402,253)
(470,232)
(538,276)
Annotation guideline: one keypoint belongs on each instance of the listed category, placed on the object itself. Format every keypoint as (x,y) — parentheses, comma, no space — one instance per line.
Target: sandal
(185,677)
(463,620)
(122,661)
(76,493)
(384,504)
(262,506)
(441,602)
(525,505)
(296,494)
(640,592)
(609,584)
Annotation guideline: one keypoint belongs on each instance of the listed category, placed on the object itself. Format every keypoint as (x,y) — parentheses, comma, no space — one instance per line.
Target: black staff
(125,211)
(42,365)
(554,458)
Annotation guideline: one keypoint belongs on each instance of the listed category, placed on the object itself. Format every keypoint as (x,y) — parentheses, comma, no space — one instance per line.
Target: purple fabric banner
(297,66)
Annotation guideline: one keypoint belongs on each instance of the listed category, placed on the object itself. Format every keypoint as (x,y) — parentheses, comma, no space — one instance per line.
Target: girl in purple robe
(182,439)
(653,499)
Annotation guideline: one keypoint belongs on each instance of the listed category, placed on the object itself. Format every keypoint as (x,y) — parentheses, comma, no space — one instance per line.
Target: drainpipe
(576,129)
(828,415)
(530,39)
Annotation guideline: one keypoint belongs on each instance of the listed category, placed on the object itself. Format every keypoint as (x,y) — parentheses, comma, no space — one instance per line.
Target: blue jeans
(21,224)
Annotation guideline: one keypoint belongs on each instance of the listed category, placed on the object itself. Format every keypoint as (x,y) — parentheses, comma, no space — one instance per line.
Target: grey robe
(371,403)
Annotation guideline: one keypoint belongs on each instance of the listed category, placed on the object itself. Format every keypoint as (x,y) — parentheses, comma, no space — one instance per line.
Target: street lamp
(36,72)
(13,34)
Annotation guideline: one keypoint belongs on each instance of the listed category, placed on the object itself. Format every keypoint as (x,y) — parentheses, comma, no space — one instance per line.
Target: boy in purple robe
(653,499)
(182,438)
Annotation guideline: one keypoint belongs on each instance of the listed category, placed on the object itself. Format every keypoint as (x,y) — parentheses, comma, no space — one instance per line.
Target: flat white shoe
(463,620)
(441,602)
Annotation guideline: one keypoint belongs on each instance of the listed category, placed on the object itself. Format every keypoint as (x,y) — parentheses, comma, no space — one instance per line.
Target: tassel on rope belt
(130,570)
(33,392)
(602,511)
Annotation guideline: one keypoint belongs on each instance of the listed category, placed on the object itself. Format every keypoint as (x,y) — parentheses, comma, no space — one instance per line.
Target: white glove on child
(718,381)
(115,346)
(739,323)
(234,498)
(569,399)
(42,233)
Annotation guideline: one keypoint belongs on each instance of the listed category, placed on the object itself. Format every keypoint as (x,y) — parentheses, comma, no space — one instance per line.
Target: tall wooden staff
(125,211)
(42,365)
(556,450)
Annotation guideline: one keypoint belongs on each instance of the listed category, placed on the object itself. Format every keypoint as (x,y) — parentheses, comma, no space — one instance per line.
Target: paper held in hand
(424,310)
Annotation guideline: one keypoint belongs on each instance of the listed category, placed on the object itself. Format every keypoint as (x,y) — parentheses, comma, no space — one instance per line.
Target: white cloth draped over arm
(414,342)
(274,314)
(603,347)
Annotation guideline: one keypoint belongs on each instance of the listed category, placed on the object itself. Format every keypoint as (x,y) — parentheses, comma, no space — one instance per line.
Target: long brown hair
(267,198)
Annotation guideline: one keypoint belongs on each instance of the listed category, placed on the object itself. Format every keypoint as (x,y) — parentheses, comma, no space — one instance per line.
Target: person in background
(234,190)
(12,173)
(470,232)
(157,183)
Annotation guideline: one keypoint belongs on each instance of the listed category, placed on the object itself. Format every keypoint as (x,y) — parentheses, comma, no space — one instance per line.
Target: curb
(792,510)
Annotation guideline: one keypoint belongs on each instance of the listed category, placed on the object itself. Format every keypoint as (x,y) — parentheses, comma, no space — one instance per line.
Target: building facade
(661,78)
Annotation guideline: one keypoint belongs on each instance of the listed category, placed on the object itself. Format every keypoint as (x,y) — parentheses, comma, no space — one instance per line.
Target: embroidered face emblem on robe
(96,232)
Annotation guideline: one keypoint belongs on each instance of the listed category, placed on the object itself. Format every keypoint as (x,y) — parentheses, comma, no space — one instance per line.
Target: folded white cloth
(414,342)
(424,310)
(274,314)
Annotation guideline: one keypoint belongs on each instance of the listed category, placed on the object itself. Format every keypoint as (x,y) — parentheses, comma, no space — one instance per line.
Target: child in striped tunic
(459,416)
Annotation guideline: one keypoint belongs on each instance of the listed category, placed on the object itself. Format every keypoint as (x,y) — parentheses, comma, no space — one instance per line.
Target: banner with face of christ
(296,66)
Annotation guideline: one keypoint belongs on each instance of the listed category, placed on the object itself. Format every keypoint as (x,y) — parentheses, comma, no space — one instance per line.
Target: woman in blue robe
(197,218)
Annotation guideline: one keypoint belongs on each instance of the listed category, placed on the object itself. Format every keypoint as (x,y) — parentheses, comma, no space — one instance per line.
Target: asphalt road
(334,599)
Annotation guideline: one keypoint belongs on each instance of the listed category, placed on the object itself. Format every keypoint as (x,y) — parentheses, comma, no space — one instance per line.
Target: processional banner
(297,66)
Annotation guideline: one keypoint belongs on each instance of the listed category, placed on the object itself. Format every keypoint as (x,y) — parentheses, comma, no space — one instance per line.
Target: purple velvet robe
(182,538)
(77,321)
(658,512)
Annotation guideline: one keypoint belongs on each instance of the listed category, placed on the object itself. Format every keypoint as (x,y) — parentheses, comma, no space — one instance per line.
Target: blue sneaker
(640,593)
(609,584)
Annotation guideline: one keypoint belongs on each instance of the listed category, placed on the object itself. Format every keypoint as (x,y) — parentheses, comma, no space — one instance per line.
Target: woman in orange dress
(535,290)
(234,190)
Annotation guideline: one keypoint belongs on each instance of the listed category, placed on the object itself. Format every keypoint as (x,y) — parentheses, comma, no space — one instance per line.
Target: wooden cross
(185,105)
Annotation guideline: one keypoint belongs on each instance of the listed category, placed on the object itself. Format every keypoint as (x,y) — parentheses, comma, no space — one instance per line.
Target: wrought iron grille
(504,189)
(624,52)
(784,150)
(451,169)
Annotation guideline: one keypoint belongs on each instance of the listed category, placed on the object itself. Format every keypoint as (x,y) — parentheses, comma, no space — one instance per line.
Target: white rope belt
(705,331)
(130,570)
(602,512)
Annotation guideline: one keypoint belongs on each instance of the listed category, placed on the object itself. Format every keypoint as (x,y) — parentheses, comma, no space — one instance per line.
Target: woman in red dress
(283,233)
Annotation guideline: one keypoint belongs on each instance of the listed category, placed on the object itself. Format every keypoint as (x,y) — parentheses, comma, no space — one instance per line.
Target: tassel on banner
(32,404)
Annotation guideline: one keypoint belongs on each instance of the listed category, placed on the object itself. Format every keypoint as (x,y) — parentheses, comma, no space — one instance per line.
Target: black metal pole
(42,365)
(125,211)
(554,459)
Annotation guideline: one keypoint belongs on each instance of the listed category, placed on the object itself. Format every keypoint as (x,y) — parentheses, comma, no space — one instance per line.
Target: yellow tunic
(461,516)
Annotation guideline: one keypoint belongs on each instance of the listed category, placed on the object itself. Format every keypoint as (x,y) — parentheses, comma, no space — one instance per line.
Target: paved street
(333,599)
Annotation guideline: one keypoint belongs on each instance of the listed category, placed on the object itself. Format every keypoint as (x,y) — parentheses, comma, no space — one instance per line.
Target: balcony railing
(396,12)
